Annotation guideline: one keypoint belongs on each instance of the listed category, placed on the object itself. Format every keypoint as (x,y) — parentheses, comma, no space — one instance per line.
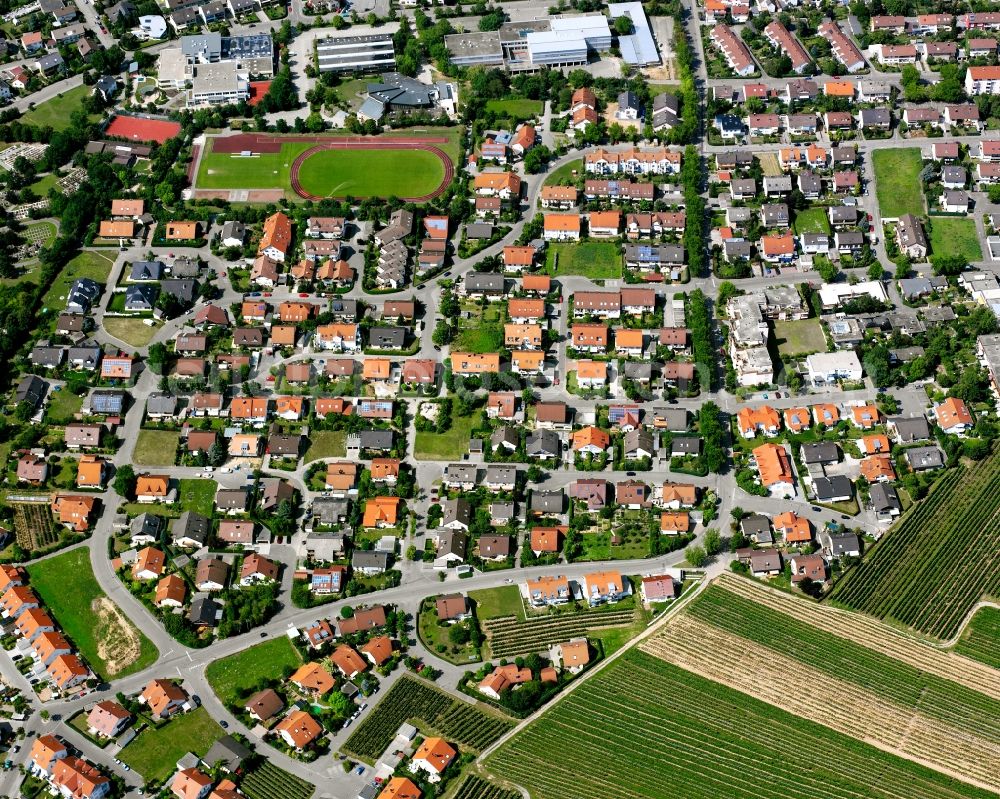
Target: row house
(736,53)
(656,161)
(619,191)
(779,36)
(654,224)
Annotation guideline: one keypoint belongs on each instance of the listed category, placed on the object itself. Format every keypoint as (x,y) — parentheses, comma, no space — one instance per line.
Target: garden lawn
(108,641)
(518,108)
(155,448)
(494,602)
(897,181)
(197,495)
(89,263)
(371,173)
(799,337)
(41,188)
(597,260)
(481,332)
(232,676)
(812,220)
(564,175)
(955,236)
(57,112)
(63,405)
(155,751)
(326,444)
(134,332)
(449,445)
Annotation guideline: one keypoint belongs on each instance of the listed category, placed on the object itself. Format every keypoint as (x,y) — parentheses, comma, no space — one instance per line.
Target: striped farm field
(413,700)
(929,571)
(509,636)
(981,638)
(841,684)
(643,728)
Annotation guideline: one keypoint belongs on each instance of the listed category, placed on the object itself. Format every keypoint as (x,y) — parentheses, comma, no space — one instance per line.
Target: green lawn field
(563,176)
(56,113)
(494,602)
(108,641)
(371,173)
(326,444)
(132,331)
(155,448)
(154,752)
(897,180)
(981,639)
(597,260)
(449,445)
(657,731)
(374,173)
(799,337)
(90,263)
(63,405)
(237,674)
(955,236)
(812,220)
(518,108)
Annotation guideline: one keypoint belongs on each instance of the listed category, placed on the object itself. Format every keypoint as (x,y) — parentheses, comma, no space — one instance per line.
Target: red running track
(357,143)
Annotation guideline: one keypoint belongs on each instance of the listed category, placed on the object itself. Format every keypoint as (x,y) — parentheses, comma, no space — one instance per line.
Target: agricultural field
(232,677)
(267,781)
(897,181)
(981,638)
(411,699)
(34,526)
(598,260)
(955,236)
(508,637)
(907,705)
(154,752)
(934,565)
(477,788)
(660,732)
(108,641)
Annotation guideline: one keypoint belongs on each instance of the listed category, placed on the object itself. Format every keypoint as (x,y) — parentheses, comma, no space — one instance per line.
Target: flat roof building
(372,53)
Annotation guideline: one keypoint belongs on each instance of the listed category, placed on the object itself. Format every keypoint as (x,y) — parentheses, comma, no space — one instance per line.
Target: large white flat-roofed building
(639,47)
(833,295)
(829,367)
(218,84)
(474,49)
(372,53)
(560,41)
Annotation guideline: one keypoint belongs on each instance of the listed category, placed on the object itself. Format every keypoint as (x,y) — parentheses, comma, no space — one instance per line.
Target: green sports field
(359,173)
(371,173)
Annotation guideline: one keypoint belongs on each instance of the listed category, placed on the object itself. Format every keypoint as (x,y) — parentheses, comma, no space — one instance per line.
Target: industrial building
(639,47)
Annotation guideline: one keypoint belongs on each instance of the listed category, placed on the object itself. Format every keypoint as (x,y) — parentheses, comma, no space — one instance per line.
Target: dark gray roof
(543,443)
(31,389)
(484,281)
(925,457)
(452,542)
(547,501)
(204,610)
(191,525)
(376,439)
(146,270)
(827,488)
(884,498)
(387,338)
(823,452)
(184,289)
(140,297)
(910,428)
(161,404)
(365,559)
(227,752)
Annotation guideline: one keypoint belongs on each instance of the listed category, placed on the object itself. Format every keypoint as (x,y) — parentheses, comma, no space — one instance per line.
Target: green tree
(696,555)
(623,25)
(125,481)
(459,634)
(713,542)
